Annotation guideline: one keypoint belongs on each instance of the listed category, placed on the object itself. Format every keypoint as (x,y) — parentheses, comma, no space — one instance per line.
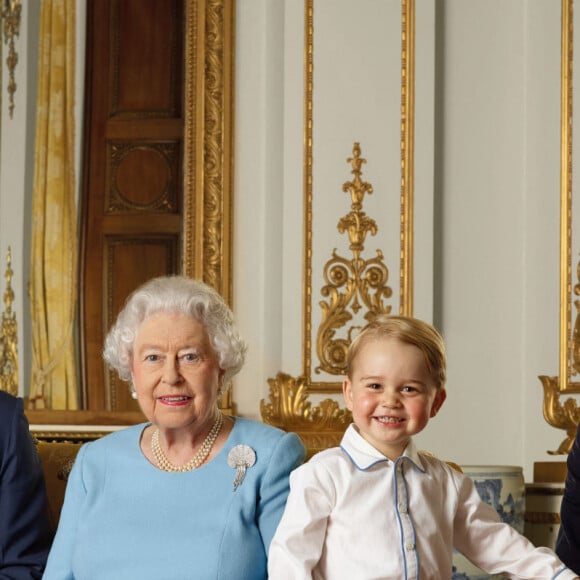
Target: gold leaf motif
(350,285)
(319,427)
(9,337)
(560,415)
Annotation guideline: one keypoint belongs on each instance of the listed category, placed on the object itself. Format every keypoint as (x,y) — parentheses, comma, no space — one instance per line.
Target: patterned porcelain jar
(503,487)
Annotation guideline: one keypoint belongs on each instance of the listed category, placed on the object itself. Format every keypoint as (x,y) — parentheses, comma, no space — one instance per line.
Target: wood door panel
(132,199)
(143,177)
(146,55)
(129,263)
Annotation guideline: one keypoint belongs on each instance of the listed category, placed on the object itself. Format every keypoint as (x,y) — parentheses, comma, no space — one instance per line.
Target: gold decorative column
(11,12)
(9,337)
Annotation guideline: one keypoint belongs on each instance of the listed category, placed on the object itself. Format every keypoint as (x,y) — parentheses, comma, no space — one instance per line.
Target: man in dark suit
(25,531)
(568,542)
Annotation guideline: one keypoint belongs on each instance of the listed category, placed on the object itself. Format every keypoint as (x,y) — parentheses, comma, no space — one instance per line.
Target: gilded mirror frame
(208,187)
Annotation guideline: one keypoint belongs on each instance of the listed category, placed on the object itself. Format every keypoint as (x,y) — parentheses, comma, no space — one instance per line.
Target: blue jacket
(25,531)
(568,542)
(123,518)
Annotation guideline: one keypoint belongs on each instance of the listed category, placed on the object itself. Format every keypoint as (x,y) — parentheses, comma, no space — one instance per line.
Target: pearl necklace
(197,460)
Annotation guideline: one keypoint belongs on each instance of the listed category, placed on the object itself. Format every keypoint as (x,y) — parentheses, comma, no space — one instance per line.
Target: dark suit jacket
(568,542)
(25,532)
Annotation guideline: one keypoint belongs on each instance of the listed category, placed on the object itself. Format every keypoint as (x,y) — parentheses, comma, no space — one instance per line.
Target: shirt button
(403,508)
(410,546)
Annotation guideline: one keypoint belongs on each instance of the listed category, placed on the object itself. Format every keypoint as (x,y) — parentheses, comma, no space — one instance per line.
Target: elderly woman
(192,493)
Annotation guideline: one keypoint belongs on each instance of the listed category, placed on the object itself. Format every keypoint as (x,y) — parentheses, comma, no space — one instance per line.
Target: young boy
(375,507)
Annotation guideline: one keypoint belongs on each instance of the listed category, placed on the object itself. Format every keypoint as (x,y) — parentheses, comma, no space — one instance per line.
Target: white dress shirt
(353,514)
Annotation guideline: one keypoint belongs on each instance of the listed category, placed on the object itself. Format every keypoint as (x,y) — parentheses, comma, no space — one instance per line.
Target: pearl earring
(134,395)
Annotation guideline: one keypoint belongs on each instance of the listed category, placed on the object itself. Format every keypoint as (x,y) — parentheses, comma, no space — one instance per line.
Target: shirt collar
(364,455)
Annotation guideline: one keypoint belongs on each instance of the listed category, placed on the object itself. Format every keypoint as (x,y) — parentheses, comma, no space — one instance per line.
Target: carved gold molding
(407,155)
(208,146)
(322,426)
(208,149)
(562,415)
(350,282)
(56,436)
(9,337)
(319,427)
(11,11)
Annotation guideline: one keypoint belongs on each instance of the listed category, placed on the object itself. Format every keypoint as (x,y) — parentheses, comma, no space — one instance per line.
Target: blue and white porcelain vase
(502,487)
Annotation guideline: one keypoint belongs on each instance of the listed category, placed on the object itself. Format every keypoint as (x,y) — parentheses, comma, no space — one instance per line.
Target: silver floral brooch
(240,458)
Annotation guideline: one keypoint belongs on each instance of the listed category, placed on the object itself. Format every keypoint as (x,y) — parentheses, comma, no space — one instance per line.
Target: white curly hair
(176,294)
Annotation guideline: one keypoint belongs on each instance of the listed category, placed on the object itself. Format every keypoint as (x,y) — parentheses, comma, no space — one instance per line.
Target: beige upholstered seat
(57,460)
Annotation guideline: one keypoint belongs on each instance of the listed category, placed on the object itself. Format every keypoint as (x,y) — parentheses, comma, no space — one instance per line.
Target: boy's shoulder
(432,460)
(330,454)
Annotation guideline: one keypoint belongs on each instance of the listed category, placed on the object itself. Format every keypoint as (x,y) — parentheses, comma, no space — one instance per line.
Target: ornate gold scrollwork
(319,427)
(560,415)
(9,337)
(357,278)
(209,148)
(11,10)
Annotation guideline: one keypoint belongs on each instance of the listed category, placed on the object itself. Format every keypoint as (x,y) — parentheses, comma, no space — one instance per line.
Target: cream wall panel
(540,296)
(258,281)
(496,303)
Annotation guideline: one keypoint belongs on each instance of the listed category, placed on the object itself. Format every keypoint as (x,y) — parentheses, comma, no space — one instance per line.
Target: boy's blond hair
(410,331)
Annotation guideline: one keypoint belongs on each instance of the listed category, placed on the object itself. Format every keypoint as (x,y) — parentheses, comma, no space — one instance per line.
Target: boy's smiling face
(391,394)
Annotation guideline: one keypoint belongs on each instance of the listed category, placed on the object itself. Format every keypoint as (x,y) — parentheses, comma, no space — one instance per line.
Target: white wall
(498,185)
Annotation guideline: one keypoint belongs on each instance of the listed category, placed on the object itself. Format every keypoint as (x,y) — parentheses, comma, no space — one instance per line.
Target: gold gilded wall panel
(358,248)
(209,137)
(8,335)
(565,414)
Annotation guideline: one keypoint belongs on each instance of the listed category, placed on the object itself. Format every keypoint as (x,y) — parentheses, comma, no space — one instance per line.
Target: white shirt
(354,514)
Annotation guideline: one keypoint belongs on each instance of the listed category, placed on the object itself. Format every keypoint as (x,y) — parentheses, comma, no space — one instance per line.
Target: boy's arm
(298,542)
(496,547)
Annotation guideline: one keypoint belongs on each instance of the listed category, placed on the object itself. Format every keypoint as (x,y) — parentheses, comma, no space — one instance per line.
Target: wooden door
(132,196)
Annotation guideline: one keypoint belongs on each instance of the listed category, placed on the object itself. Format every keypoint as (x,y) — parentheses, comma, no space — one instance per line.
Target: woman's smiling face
(391,394)
(175,371)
